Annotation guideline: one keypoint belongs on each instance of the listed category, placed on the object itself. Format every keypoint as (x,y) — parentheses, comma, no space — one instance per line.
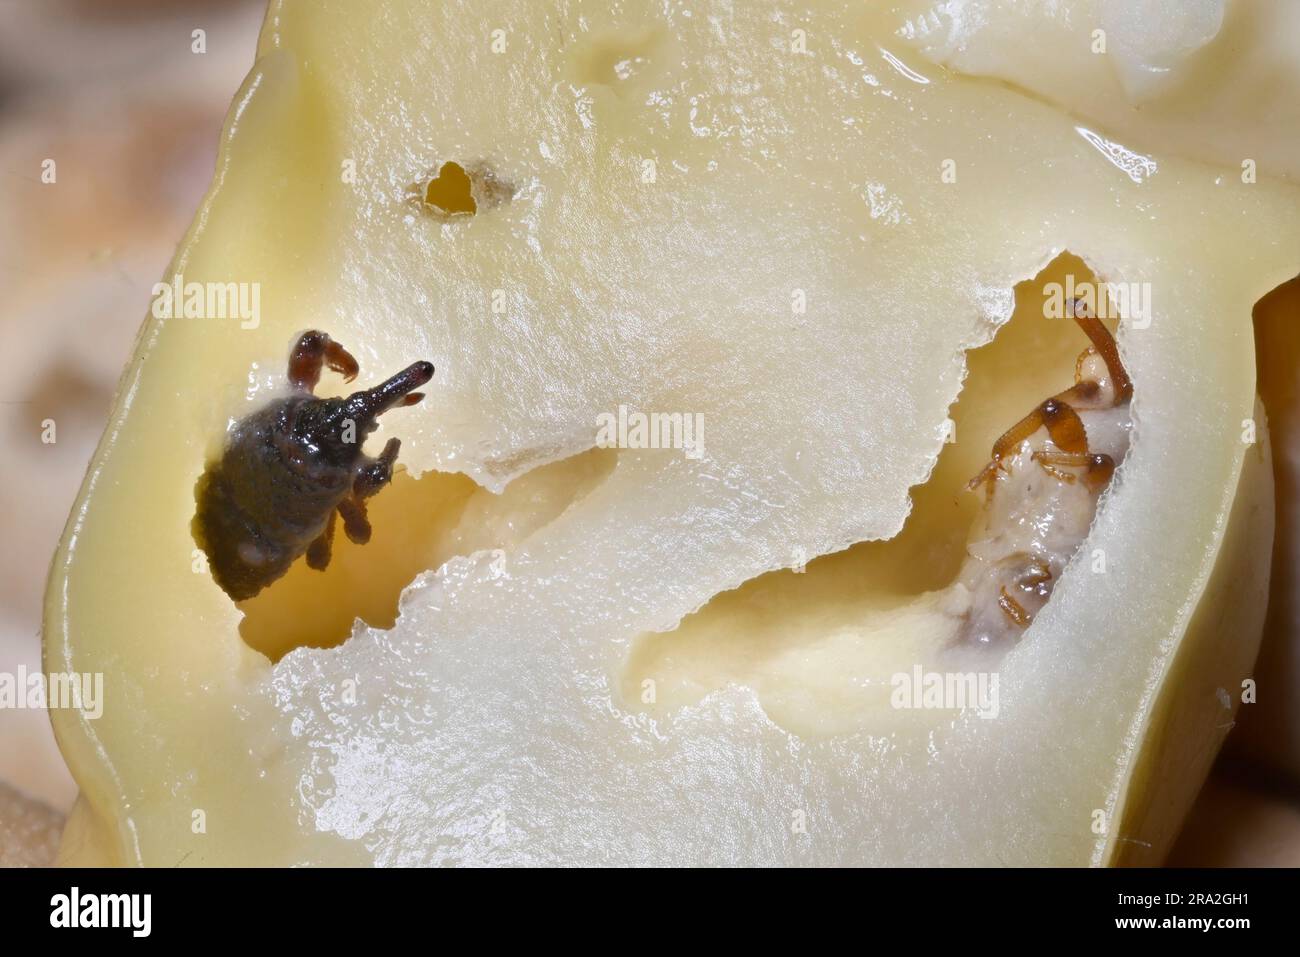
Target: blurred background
(114,93)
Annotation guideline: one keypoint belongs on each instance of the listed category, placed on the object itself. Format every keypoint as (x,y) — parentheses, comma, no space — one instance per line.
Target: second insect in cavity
(292,468)
(1041,490)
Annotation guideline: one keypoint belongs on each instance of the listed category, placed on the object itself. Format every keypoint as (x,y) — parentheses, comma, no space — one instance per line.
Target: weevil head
(333,430)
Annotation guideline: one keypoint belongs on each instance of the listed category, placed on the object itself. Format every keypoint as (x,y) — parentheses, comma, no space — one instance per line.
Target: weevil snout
(369,403)
(335,428)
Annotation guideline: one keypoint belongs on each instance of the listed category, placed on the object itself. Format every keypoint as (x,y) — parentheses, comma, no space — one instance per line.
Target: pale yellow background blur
(112,92)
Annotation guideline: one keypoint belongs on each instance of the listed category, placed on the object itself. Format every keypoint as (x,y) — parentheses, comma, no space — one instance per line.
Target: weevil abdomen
(264,502)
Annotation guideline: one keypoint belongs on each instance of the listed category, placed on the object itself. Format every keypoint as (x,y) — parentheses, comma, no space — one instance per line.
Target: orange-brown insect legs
(1066,457)
(1106,346)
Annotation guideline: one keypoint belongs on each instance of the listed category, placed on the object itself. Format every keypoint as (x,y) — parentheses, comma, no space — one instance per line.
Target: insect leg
(1105,344)
(318,552)
(1063,425)
(1014,610)
(1098,468)
(355,523)
(373,476)
(313,350)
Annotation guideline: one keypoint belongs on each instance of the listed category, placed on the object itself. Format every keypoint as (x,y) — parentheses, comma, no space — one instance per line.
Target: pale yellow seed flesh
(798,239)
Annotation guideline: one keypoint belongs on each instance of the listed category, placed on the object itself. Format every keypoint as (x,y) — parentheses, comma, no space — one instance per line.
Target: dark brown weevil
(289,469)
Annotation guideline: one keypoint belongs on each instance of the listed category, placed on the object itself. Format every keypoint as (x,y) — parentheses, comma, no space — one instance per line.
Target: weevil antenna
(1105,344)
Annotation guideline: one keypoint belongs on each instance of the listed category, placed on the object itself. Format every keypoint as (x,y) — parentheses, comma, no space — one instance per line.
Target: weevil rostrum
(291,468)
(1041,489)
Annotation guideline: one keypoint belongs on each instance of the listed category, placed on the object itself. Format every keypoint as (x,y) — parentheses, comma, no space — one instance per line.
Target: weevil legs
(314,350)
(1014,610)
(1038,526)
(355,523)
(373,476)
(1105,344)
(1063,425)
(1058,414)
(1098,467)
(318,552)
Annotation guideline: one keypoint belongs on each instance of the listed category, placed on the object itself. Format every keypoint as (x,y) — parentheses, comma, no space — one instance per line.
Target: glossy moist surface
(747,212)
